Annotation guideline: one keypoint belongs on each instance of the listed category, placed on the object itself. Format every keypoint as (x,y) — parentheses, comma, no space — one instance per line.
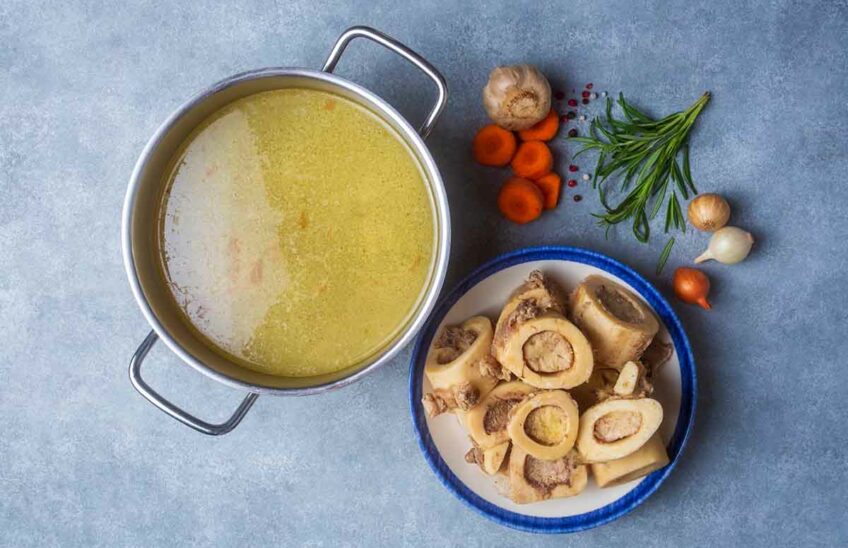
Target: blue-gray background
(84,460)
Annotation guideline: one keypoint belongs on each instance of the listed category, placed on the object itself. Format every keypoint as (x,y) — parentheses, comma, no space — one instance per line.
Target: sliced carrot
(550,186)
(520,200)
(544,130)
(532,160)
(494,146)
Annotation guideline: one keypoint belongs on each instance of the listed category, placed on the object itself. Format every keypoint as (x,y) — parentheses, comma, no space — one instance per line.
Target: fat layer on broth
(296,232)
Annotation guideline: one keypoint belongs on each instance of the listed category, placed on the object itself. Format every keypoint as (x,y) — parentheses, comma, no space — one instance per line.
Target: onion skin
(728,245)
(708,212)
(692,286)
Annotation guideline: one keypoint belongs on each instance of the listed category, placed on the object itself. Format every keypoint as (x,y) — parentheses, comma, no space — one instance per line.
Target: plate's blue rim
(636,496)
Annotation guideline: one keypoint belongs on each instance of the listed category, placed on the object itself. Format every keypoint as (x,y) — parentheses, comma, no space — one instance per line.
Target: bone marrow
(454,369)
(536,343)
(617,323)
(534,480)
(487,422)
(545,425)
(616,428)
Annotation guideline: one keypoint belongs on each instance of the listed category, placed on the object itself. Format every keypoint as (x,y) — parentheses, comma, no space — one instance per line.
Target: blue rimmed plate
(444,442)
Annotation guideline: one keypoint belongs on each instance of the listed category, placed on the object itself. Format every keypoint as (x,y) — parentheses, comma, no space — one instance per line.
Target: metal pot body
(145,191)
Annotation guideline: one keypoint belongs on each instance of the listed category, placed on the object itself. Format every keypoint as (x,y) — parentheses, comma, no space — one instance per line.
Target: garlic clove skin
(517,97)
(708,212)
(728,245)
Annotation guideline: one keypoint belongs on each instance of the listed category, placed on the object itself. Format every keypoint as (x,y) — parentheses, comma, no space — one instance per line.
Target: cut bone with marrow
(487,422)
(535,341)
(545,425)
(546,351)
(617,323)
(454,367)
(650,457)
(616,428)
(533,480)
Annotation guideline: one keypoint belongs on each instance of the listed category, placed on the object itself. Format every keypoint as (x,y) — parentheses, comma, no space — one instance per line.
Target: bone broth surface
(296,232)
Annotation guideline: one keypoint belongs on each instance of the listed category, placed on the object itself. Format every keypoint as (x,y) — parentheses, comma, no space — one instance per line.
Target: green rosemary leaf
(675,211)
(669,215)
(658,201)
(664,255)
(687,174)
(678,179)
(641,227)
(598,166)
(679,219)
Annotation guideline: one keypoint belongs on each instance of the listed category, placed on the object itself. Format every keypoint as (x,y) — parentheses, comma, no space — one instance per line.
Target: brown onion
(692,286)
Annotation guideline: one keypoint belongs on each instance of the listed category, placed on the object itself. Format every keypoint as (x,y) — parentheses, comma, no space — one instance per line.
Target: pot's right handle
(392,44)
(189,420)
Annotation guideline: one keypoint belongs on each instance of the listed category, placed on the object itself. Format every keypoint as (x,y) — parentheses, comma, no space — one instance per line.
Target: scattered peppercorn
(572,102)
(589,85)
(572,115)
(573,168)
(586,176)
(572,183)
(563,119)
(572,132)
(585,101)
(577,197)
(559,95)
(585,94)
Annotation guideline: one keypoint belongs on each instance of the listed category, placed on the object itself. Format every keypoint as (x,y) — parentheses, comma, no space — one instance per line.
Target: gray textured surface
(85,461)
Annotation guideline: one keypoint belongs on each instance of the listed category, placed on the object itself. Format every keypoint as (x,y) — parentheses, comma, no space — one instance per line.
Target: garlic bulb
(728,245)
(709,212)
(516,97)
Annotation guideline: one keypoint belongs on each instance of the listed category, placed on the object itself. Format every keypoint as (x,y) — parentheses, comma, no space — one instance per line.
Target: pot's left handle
(189,420)
(390,43)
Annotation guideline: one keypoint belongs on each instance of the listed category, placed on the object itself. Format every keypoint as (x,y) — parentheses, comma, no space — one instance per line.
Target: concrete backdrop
(84,460)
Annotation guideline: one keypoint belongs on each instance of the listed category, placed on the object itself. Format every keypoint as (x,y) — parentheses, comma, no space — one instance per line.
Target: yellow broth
(296,232)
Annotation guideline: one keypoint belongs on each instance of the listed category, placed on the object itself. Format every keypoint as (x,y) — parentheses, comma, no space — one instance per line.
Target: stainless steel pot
(145,190)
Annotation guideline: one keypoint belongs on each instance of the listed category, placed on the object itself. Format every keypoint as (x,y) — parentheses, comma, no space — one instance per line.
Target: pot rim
(435,182)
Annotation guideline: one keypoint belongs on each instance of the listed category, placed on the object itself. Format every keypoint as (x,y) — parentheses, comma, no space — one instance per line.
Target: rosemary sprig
(645,152)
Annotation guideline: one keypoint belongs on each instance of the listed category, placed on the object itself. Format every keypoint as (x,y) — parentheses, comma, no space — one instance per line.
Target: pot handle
(392,44)
(189,420)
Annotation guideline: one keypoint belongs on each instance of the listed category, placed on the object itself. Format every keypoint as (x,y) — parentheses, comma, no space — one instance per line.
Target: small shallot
(709,212)
(692,286)
(729,245)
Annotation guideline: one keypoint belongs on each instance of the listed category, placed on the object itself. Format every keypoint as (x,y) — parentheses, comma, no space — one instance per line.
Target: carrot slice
(544,130)
(550,186)
(493,146)
(520,200)
(532,160)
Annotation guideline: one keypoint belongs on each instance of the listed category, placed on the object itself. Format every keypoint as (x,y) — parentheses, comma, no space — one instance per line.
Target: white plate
(444,442)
